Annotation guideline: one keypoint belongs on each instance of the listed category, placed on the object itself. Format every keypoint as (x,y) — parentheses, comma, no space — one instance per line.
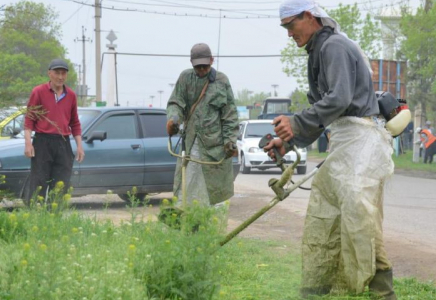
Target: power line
(72,14)
(256,16)
(249,13)
(186,55)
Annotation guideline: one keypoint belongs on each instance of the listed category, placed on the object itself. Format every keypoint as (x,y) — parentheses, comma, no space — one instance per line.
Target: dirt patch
(410,259)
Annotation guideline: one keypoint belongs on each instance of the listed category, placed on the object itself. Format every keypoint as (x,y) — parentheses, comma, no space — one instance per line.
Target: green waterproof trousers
(343,240)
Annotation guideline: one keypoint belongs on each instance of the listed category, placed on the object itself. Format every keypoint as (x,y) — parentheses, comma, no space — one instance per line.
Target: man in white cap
(203,101)
(342,244)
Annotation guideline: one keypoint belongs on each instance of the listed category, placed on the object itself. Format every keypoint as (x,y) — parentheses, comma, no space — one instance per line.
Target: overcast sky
(247,27)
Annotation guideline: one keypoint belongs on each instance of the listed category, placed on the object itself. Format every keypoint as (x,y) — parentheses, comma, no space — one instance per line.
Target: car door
(159,165)
(117,160)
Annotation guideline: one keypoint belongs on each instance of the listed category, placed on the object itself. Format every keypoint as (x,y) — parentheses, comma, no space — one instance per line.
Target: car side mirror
(239,137)
(96,135)
(16,131)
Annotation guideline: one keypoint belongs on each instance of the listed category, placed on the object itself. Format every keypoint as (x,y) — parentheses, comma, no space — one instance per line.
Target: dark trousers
(53,162)
(429,153)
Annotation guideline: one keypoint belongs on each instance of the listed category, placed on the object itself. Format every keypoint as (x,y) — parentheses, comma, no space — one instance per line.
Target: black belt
(52,135)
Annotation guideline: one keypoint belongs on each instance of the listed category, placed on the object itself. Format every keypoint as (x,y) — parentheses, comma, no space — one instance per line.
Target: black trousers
(429,152)
(53,162)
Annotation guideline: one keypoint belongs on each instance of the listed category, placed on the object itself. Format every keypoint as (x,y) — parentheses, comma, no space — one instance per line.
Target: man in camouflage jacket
(211,126)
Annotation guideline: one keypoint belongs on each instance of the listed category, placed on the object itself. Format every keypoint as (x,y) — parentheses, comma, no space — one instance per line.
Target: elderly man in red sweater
(52,114)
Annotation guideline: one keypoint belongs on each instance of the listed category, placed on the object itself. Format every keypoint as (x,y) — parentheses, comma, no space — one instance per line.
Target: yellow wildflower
(24,263)
(43,247)
(54,205)
(13,218)
(26,247)
(35,228)
(26,216)
(67,197)
(165,202)
(132,248)
(40,198)
(59,185)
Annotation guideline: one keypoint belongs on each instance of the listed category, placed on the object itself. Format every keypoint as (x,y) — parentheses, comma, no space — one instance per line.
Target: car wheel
(301,170)
(140,197)
(244,169)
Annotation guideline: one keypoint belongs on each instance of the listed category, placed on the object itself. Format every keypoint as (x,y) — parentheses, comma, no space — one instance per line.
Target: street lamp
(151,97)
(160,98)
(172,85)
(274,86)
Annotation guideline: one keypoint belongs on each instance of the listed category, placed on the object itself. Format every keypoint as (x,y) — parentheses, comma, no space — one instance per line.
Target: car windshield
(86,116)
(259,130)
(278,107)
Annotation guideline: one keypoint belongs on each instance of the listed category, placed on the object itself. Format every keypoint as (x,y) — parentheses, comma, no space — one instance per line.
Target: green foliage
(244,97)
(364,31)
(51,253)
(29,40)
(299,101)
(418,47)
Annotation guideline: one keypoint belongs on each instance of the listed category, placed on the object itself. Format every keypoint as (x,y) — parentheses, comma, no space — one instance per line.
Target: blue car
(124,147)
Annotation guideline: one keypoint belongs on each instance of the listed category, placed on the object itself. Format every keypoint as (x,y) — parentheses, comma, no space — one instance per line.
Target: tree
(244,98)
(299,101)
(29,40)
(364,31)
(418,47)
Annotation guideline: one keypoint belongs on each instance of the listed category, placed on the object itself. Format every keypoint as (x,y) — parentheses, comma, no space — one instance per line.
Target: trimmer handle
(264,141)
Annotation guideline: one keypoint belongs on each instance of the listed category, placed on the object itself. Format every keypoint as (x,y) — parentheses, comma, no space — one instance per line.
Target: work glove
(230,149)
(173,125)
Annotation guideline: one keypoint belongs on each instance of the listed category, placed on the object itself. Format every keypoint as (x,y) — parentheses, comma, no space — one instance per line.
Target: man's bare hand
(275,143)
(80,154)
(29,151)
(283,128)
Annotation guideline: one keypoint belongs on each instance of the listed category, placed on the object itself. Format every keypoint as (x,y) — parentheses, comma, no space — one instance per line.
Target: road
(409,217)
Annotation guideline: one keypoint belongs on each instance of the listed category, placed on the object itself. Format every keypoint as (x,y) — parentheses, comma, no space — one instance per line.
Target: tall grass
(47,253)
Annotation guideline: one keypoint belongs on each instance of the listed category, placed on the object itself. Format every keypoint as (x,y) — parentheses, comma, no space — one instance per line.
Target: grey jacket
(344,88)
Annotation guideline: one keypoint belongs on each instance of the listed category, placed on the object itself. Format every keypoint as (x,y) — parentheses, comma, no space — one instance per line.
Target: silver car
(252,157)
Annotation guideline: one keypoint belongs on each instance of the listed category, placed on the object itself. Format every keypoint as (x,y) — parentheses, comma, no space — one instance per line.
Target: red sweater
(60,118)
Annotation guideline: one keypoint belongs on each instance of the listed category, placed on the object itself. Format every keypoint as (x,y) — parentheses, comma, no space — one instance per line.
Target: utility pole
(79,84)
(83,89)
(160,97)
(97,51)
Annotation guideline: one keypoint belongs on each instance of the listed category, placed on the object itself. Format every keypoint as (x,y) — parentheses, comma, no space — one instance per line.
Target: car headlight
(253,149)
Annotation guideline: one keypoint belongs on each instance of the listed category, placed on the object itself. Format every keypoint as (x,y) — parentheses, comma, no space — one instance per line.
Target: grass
(63,255)
(403,161)
(50,252)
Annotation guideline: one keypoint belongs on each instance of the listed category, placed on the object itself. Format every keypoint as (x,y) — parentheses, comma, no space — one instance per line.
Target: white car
(252,157)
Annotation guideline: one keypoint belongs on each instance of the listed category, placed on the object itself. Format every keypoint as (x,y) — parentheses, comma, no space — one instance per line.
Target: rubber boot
(381,286)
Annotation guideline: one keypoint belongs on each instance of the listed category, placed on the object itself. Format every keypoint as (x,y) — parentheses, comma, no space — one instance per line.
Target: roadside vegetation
(403,161)
(49,251)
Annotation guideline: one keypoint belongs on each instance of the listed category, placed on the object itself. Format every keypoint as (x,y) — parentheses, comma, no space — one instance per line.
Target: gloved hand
(173,126)
(230,149)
